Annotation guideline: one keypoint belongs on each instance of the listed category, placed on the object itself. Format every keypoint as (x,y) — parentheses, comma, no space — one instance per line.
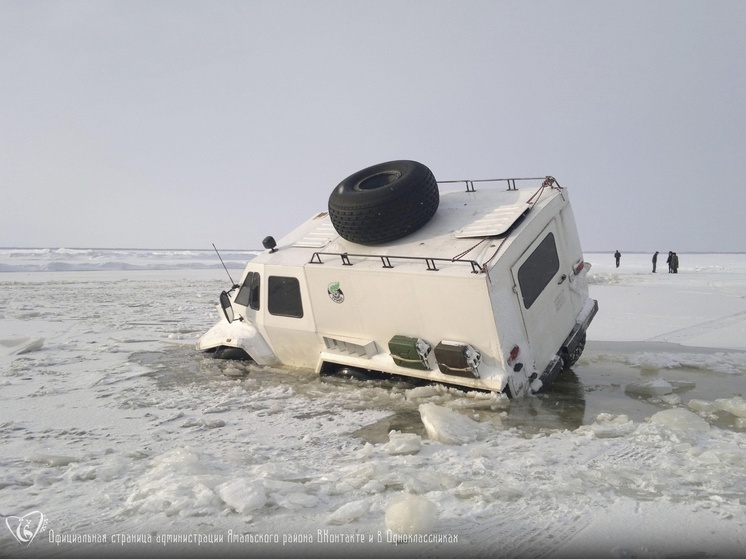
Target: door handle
(563,278)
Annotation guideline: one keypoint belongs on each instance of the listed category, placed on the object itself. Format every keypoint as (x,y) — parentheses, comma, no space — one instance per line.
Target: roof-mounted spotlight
(269,243)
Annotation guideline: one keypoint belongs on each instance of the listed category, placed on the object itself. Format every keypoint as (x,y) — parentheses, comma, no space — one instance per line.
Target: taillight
(579,267)
(514,354)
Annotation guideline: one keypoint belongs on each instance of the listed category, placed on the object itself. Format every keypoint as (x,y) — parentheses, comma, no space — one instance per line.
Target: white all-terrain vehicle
(474,283)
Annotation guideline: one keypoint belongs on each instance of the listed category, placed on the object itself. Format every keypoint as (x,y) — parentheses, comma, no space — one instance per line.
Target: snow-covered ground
(119,439)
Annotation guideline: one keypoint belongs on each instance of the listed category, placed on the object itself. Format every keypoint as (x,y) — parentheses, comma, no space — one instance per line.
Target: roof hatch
(318,237)
(495,223)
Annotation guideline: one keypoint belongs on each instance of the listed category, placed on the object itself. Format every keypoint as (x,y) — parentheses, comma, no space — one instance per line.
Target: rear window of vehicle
(538,270)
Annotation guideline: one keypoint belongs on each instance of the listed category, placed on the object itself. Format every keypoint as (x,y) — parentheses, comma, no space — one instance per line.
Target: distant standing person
(675,262)
(655,260)
(617,255)
(669,261)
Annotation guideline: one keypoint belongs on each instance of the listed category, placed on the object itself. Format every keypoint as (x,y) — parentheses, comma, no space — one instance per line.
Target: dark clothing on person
(669,261)
(655,260)
(617,255)
(675,263)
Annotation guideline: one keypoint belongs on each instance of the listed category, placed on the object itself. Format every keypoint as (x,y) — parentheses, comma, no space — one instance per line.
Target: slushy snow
(120,439)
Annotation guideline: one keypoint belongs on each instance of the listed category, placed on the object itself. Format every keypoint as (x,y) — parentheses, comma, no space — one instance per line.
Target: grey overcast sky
(181,123)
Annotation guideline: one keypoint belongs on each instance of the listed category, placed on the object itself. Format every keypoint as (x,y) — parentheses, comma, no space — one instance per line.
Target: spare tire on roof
(384,202)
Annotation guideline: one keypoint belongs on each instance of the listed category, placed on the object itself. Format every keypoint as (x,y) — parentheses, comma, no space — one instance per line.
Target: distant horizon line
(210,248)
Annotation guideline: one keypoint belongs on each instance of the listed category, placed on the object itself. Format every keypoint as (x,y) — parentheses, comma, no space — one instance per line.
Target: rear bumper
(578,332)
(576,337)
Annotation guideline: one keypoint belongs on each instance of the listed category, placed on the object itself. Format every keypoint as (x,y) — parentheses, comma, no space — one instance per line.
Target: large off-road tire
(384,202)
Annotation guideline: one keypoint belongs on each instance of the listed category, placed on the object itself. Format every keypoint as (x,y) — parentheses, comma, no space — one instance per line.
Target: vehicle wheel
(231,353)
(384,202)
(569,359)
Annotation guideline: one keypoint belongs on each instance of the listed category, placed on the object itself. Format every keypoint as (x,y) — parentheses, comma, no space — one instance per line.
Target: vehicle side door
(542,285)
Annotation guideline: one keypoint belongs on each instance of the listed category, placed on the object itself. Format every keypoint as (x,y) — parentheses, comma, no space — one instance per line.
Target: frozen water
(653,387)
(113,426)
(403,443)
(411,515)
(736,405)
(243,495)
(18,346)
(680,418)
(449,427)
(349,512)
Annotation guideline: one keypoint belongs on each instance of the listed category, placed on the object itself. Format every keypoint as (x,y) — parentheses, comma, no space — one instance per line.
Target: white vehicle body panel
(464,277)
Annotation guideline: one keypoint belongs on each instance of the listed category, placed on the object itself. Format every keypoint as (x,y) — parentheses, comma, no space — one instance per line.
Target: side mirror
(269,243)
(225,304)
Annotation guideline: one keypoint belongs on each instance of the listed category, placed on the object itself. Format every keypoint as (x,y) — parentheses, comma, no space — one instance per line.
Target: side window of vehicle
(538,270)
(284,297)
(248,295)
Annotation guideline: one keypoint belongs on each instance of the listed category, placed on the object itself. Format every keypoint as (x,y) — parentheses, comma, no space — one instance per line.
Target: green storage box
(409,352)
(455,358)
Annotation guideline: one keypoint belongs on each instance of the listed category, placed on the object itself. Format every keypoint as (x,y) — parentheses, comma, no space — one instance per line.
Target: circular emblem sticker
(335,293)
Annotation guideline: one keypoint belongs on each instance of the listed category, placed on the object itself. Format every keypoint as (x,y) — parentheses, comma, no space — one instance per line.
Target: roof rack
(511,182)
(476,268)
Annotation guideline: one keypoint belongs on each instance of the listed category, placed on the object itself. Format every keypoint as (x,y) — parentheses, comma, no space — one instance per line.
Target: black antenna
(234,284)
